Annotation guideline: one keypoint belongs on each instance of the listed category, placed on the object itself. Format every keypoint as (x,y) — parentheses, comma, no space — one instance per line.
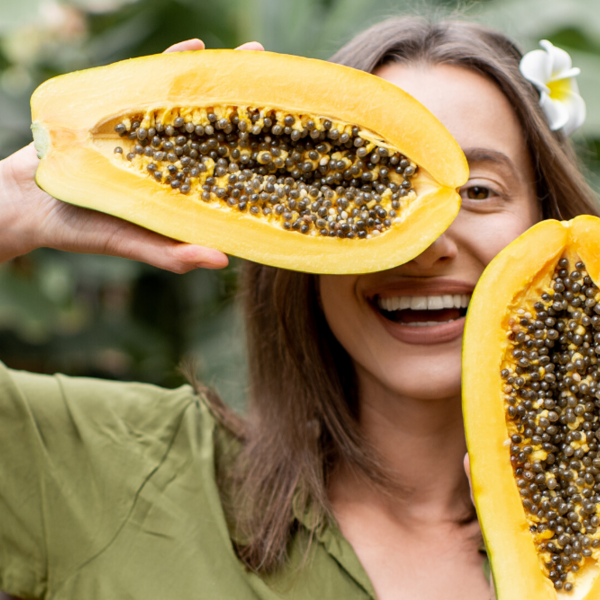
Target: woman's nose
(443,250)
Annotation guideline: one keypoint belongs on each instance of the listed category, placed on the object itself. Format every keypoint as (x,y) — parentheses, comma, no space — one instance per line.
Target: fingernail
(210,265)
(213,260)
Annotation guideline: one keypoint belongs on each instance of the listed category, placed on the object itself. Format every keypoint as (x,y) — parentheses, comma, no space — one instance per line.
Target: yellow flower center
(560,89)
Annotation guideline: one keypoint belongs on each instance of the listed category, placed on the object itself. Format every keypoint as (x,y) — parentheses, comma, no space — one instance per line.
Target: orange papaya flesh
(292,162)
(531,401)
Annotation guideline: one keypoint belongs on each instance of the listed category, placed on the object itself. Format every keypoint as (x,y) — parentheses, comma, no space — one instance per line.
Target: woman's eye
(479,196)
(478,192)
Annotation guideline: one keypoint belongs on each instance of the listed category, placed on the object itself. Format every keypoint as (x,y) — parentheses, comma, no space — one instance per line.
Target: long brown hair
(302,416)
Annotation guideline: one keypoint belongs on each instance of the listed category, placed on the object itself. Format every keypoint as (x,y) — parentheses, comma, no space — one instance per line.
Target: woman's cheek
(489,234)
(339,303)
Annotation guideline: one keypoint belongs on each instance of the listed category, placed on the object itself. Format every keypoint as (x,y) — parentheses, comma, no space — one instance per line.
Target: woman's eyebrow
(477,155)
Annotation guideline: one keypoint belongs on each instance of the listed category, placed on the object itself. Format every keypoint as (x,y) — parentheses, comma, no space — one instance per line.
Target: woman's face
(416,352)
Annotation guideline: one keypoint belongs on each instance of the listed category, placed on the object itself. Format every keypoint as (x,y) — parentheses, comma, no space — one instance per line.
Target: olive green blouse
(107,491)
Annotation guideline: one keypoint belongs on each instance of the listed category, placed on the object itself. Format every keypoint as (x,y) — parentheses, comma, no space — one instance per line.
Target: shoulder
(108,462)
(80,416)
(95,400)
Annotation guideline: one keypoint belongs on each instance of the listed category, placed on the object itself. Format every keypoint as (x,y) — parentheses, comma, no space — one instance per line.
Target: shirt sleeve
(74,454)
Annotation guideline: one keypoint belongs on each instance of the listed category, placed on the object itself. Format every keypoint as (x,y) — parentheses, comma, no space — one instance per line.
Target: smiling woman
(345,478)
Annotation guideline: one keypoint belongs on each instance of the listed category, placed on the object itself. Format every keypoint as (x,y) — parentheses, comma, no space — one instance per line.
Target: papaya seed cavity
(303,173)
(551,380)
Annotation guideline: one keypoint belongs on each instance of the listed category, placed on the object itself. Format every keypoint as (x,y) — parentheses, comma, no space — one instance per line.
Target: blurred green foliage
(112,318)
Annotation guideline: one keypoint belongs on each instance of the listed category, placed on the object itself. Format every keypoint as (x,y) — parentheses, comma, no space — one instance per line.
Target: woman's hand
(30,218)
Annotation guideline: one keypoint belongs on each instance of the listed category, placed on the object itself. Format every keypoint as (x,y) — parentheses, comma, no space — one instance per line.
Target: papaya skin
(512,277)
(76,166)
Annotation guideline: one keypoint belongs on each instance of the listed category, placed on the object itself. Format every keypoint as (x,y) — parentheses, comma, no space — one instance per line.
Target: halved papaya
(531,399)
(287,161)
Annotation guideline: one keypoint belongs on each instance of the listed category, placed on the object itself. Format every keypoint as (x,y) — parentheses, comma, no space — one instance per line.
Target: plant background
(106,317)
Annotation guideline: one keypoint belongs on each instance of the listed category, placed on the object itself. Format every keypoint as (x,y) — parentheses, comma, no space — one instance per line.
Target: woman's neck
(421,444)
(412,541)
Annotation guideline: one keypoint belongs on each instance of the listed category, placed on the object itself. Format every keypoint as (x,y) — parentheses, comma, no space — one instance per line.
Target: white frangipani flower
(551,72)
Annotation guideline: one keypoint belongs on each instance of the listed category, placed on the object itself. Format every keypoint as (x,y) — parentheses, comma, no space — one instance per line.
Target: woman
(346,478)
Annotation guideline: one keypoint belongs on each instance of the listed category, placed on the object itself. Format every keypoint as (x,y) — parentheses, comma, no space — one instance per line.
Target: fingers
(175,256)
(171,255)
(467,467)
(74,229)
(251,46)
(178,257)
(186,46)
(196,44)
(199,256)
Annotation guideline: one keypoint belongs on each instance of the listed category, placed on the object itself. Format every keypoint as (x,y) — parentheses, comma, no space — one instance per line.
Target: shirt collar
(327,533)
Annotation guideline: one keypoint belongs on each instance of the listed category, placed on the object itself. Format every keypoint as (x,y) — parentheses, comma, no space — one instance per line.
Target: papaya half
(531,400)
(288,161)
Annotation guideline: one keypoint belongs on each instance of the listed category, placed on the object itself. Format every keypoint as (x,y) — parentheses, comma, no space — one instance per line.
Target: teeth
(460,301)
(435,302)
(418,303)
(448,301)
(424,302)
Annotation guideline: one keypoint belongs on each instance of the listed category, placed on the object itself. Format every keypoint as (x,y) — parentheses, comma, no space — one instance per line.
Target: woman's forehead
(471,106)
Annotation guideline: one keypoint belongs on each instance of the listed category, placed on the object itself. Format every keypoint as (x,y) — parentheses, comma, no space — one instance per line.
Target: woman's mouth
(423,311)
(418,319)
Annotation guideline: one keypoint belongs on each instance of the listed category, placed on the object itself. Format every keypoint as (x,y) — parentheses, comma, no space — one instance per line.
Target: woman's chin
(419,376)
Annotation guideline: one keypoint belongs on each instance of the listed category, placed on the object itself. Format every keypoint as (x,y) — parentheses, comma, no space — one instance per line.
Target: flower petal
(536,67)
(572,72)
(560,60)
(575,106)
(574,86)
(556,113)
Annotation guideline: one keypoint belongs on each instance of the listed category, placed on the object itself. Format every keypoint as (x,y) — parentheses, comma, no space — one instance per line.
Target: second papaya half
(287,161)
(531,397)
